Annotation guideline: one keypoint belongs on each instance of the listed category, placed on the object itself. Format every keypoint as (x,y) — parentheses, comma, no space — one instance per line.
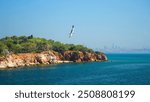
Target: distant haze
(99,24)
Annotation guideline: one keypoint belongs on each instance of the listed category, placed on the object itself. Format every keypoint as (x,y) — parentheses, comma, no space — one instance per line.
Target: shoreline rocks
(48,57)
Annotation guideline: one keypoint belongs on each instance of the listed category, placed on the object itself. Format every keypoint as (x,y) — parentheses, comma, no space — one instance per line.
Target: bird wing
(71,32)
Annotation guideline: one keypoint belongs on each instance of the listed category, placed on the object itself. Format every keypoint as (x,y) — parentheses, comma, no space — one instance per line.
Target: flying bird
(71,32)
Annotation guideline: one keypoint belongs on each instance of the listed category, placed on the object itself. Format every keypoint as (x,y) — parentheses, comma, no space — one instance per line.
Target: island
(20,51)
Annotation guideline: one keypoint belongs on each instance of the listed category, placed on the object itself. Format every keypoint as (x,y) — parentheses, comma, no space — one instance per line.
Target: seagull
(71,32)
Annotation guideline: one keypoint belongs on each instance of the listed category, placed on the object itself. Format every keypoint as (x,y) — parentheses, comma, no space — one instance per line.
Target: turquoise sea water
(121,69)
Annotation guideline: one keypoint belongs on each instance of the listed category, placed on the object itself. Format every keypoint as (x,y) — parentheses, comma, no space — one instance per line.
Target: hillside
(27,51)
(24,44)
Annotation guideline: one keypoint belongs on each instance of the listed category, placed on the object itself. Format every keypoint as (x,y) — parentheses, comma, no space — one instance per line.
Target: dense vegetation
(24,44)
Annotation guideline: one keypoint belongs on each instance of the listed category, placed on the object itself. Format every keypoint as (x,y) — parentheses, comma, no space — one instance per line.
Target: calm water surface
(121,69)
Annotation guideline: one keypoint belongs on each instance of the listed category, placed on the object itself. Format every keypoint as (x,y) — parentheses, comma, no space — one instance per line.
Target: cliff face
(48,57)
(78,56)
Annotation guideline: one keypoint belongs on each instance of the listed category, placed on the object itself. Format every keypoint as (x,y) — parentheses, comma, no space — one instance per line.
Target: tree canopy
(27,44)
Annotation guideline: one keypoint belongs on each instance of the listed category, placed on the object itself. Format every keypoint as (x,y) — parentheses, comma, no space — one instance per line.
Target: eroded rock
(48,57)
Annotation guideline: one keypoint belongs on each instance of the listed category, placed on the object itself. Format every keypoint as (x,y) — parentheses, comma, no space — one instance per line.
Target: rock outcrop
(48,57)
(78,56)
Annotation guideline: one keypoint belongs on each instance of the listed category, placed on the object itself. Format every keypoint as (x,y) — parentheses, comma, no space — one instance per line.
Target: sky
(99,24)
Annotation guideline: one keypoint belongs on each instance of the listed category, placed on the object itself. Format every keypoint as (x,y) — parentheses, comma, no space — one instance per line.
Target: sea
(120,69)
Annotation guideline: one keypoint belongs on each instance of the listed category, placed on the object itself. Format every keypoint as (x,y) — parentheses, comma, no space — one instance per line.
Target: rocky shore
(48,57)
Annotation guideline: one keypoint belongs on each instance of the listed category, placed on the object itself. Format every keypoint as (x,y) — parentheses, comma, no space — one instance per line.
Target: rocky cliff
(48,57)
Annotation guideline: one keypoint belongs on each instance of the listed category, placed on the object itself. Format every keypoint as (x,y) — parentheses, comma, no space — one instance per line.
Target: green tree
(28,47)
(42,46)
(3,48)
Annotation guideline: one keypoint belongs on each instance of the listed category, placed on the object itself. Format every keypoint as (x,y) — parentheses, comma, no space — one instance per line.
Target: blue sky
(98,23)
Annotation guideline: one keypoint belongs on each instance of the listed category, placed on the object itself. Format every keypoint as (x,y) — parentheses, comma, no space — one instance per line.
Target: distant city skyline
(115,24)
(123,50)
